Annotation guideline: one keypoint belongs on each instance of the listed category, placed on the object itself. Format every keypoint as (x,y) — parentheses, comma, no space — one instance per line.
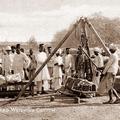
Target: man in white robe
(43,77)
(57,71)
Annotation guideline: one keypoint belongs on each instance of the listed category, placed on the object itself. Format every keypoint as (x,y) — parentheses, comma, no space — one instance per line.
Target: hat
(12,47)
(112,46)
(17,46)
(8,48)
(96,49)
(67,48)
(41,44)
(59,51)
(49,47)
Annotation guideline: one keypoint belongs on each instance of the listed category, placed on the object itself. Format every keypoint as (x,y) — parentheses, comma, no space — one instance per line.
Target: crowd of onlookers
(14,61)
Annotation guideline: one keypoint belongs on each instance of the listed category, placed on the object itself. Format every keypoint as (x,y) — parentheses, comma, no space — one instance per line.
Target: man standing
(7,63)
(98,60)
(108,79)
(50,65)
(43,77)
(57,71)
(33,64)
(69,63)
(20,61)
(80,63)
(13,52)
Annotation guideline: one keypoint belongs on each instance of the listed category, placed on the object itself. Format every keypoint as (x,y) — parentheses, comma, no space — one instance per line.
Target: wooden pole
(47,60)
(89,58)
(98,36)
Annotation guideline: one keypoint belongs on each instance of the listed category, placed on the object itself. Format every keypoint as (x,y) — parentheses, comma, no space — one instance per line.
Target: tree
(72,41)
(32,43)
(108,29)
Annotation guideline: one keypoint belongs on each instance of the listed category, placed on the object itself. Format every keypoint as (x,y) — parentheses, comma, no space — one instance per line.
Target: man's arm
(107,66)
(26,60)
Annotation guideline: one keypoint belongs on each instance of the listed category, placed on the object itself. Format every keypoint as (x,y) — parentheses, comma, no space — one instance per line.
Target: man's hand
(100,68)
(12,71)
(97,74)
(56,64)
(102,75)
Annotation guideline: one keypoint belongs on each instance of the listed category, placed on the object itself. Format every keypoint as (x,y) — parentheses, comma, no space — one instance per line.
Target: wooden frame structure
(58,46)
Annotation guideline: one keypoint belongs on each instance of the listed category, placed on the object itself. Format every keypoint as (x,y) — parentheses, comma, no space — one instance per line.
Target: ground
(62,108)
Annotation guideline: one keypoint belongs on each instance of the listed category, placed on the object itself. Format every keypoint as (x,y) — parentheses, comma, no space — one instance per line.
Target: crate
(80,85)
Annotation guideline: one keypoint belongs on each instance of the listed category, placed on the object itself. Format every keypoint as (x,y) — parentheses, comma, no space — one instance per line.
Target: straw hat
(8,48)
(96,49)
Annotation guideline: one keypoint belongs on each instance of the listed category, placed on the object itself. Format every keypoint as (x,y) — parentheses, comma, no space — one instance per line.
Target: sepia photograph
(59,60)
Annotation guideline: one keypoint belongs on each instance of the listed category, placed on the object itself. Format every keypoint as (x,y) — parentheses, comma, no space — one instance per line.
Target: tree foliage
(32,43)
(108,29)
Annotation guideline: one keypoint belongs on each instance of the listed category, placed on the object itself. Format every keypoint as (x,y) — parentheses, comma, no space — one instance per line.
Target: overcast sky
(20,19)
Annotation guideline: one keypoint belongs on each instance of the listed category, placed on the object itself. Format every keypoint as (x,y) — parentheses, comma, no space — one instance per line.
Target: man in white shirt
(109,73)
(69,63)
(98,60)
(20,61)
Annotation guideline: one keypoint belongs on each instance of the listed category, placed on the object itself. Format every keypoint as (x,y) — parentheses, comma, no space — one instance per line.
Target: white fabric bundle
(13,78)
(2,79)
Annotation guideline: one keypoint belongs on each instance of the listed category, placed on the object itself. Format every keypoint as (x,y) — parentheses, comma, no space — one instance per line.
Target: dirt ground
(62,108)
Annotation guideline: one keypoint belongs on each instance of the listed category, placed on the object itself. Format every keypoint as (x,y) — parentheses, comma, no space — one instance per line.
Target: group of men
(60,66)
(15,61)
(54,73)
(104,75)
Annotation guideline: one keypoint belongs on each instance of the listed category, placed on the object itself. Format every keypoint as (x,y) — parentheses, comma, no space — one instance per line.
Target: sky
(21,19)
